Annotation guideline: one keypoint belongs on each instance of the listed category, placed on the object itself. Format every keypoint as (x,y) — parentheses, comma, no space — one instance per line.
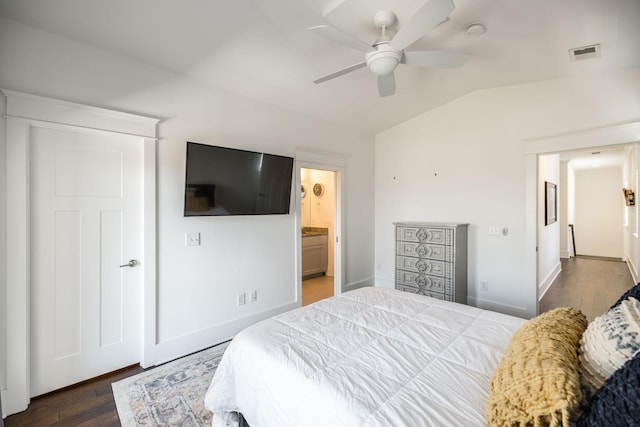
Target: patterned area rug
(171,394)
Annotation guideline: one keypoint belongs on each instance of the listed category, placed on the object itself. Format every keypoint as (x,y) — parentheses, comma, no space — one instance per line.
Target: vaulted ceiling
(263,48)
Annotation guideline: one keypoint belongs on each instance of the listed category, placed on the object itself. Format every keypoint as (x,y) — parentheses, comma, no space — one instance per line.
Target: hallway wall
(599,212)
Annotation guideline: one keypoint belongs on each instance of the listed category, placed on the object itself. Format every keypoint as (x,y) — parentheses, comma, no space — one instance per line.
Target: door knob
(131,263)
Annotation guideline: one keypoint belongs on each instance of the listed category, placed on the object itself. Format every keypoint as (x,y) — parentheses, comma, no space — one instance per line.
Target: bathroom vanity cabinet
(314,252)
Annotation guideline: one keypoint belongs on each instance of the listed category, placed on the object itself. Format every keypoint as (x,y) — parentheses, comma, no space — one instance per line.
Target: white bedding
(369,357)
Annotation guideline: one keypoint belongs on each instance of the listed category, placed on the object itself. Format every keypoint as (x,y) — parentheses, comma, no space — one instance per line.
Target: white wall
(630,221)
(599,212)
(562,214)
(548,235)
(3,249)
(465,162)
(198,286)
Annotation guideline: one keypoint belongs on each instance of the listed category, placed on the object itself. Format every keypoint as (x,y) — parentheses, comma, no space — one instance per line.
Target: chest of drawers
(431,259)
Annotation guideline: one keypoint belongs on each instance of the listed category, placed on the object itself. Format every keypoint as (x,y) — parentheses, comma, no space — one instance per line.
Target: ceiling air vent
(585,52)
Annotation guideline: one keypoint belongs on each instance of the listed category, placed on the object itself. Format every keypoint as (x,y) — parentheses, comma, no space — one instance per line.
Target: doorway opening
(318,234)
(594,237)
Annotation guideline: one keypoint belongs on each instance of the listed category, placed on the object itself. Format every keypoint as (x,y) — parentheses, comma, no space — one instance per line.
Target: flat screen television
(226,181)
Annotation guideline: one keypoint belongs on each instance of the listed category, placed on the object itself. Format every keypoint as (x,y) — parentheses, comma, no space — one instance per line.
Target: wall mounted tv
(225,181)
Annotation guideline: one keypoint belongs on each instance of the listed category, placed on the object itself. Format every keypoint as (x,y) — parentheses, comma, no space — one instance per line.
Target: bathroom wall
(319,211)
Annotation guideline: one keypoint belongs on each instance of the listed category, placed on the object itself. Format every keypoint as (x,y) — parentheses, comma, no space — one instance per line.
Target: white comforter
(369,357)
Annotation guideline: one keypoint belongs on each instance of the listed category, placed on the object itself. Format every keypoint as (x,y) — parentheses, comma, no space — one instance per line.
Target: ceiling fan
(387,52)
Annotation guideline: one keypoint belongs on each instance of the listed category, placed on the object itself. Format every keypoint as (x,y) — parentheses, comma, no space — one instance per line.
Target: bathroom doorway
(318,234)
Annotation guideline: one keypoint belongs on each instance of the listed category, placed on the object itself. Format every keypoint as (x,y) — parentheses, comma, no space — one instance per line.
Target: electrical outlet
(254,296)
(494,230)
(192,239)
(484,286)
(242,298)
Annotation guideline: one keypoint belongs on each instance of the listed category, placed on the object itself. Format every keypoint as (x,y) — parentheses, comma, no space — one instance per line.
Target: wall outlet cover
(192,239)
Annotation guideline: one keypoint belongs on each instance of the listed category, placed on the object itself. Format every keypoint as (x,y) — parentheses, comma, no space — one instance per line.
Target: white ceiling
(593,158)
(262,48)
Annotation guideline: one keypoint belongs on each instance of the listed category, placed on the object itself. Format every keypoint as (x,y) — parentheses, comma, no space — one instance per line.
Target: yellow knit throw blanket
(537,383)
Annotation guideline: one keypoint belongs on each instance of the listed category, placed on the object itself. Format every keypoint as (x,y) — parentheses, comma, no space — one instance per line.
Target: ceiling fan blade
(334,34)
(341,72)
(386,85)
(427,18)
(435,58)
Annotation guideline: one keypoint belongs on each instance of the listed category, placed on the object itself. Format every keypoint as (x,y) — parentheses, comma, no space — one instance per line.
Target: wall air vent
(584,52)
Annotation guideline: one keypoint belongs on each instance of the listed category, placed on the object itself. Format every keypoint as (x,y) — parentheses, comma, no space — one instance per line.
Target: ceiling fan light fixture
(476,29)
(384,60)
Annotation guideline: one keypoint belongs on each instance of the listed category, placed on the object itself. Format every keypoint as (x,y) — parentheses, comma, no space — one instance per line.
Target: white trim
(199,340)
(587,138)
(361,284)
(15,397)
(546,283)
(531,236)
(34,107)
(514,310)
(331,162)
(61,114)
(632,269)
(149,297)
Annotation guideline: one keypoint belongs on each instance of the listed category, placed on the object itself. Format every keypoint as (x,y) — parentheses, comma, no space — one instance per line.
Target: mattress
(368,357)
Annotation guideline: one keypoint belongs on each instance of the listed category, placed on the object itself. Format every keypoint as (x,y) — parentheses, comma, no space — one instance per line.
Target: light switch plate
(192,239)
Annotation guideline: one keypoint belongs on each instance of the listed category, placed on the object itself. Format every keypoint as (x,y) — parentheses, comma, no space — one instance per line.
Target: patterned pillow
(617,402)
(609,341)
(633,292)
(537,382)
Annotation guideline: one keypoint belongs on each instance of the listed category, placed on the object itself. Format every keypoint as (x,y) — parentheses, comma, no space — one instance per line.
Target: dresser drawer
(431,259)
(425,250)
(425,235)
(425,266)
(423,281)
(420,291)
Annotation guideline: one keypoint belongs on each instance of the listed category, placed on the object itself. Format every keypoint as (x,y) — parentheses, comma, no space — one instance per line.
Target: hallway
(589,284)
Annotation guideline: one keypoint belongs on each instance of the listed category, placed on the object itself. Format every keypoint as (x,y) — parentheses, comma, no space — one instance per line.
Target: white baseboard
(633,270)
(196,341)
(361,284)
(544,286)
(513,310)
(199,340)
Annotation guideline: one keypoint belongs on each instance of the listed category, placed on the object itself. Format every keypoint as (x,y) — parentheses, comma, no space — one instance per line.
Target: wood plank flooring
(86,404)
(589,284)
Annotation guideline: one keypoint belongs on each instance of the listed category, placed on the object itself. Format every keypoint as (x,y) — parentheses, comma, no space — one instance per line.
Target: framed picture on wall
(550,203)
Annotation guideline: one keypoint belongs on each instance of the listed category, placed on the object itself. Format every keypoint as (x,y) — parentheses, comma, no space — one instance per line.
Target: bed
(372,356)
(381,357)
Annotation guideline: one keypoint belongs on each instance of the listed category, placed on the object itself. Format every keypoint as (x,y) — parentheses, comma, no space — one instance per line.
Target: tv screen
(226,181)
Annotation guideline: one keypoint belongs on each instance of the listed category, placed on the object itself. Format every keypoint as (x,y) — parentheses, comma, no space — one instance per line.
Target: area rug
(171,394)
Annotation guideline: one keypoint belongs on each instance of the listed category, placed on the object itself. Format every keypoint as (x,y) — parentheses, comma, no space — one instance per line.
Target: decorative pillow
(617,402)
(609,341)
(633,292)
(537,382)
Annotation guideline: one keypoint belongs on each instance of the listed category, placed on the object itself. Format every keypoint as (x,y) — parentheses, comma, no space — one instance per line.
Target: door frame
(333,163)
(620,134)
(23,112)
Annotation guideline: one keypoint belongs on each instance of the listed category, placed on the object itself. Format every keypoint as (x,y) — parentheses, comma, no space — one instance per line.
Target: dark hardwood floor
(589,284)
(89,403)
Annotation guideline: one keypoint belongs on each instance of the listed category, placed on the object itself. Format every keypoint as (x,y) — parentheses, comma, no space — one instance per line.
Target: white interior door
(86,221)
